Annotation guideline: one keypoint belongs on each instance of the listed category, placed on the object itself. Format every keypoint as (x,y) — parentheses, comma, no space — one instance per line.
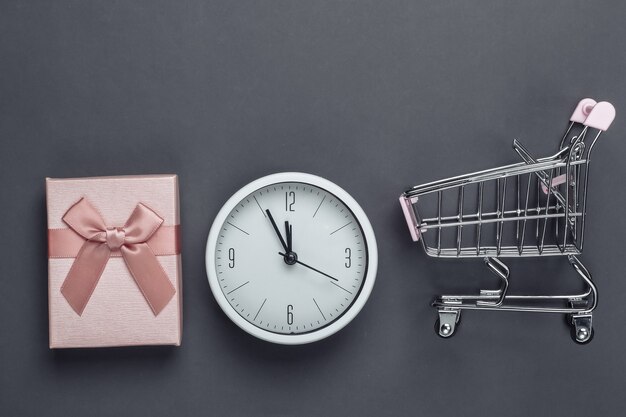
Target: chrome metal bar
(574,150)
(537,221)
(571,125)
(500,270)
(516,296)
(541,174)
(505,252)
(494,214)
(584,210)
(576,195)
(505,307)
(500,224)
(439,222)
(481,186)
(519,209)
(546,218)
(593,143)
(521,243)
(490,174)
(584,203)
(425,226)
(485,301)
(498,209)
(586,276)
(459,229)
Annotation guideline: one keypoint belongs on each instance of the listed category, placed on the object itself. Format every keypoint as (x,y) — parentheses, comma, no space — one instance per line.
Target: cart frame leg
(578,309)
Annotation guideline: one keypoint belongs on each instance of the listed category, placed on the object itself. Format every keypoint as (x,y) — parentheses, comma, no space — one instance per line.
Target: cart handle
(556,181)
(582,110)
(601,116)
(409,216)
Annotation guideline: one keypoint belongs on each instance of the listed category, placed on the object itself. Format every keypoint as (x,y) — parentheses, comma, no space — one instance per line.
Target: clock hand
(289,234)
(295,260)
(282,241)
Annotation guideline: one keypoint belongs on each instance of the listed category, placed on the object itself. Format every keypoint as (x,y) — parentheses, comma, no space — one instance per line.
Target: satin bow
(101,241)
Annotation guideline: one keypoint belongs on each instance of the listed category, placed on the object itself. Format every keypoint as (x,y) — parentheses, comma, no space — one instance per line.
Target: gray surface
(373,95)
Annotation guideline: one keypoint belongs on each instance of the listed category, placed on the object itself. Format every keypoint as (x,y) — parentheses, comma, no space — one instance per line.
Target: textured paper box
(117,313)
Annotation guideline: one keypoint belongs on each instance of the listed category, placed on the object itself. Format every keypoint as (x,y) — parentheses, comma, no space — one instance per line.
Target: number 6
(289,314)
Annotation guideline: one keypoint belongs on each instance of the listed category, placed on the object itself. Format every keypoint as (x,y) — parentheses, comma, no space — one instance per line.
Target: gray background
(372,95)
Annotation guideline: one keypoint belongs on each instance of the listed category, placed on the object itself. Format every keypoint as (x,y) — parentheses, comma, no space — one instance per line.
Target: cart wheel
(446,333)
(583,336)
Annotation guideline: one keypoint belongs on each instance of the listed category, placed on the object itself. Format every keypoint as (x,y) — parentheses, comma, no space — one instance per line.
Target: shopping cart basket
(533,208)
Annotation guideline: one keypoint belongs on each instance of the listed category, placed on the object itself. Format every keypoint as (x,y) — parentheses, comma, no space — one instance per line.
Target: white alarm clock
(291,258)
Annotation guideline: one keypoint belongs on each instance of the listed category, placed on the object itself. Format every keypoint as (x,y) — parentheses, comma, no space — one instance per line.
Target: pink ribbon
(101,242)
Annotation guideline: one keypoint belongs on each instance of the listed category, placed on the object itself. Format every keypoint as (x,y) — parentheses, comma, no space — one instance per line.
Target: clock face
(288,258)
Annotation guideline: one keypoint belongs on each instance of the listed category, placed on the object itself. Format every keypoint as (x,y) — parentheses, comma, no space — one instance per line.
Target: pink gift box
(114,263)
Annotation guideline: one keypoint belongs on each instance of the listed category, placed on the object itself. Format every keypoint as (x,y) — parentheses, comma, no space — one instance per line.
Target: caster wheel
(583,336)
(448,334)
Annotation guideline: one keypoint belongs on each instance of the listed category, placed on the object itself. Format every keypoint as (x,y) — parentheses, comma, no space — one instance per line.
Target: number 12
(288,205)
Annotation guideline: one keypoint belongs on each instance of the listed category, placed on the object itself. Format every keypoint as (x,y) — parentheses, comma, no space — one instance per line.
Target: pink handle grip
(582,110)
(555,182)
(409,216)
(601,116)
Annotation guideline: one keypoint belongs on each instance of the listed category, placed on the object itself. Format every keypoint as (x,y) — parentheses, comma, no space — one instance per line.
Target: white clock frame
(353,309)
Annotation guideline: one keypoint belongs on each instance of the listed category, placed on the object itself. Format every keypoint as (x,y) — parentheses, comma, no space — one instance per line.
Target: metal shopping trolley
(533,208)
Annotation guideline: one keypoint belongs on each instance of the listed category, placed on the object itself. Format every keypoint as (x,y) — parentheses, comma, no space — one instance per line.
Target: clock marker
(237,287)
(257,313)
(337,285)
(341,227)
(238,228)
(318,307)
(318,207)
(257,203)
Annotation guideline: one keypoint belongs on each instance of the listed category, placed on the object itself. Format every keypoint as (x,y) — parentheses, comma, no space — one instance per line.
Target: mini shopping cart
(533,208)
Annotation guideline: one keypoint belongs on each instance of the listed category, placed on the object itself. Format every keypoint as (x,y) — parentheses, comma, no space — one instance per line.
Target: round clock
(291,258)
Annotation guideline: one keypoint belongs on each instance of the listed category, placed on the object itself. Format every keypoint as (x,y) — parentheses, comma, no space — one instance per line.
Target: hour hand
(282,241)
(289,234)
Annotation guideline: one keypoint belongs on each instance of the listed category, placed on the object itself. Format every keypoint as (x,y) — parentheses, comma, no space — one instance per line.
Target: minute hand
(280,236)
(310,267)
